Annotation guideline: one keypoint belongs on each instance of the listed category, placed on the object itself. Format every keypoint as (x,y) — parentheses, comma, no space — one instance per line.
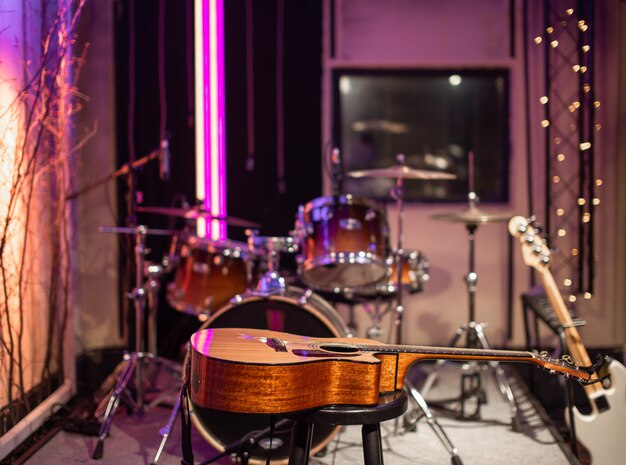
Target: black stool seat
(389,406)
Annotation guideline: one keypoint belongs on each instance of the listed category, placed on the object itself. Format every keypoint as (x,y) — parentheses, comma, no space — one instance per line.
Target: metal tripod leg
(166,430)
(500,378)
(112,401)
(434,424)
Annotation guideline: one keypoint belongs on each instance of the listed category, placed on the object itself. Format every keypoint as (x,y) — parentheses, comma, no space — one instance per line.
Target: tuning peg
(545,259)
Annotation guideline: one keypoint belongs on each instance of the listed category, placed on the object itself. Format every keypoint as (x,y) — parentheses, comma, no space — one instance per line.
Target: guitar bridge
(277,344)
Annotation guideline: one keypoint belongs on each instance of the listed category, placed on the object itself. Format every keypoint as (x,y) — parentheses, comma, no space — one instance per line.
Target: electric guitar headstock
(535,250)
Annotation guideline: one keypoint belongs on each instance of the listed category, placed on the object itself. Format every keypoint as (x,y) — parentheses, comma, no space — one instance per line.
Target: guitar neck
(407,355)
(575,346)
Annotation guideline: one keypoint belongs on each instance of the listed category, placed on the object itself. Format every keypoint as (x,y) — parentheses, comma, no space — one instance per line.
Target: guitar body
(237,371)
(604,433)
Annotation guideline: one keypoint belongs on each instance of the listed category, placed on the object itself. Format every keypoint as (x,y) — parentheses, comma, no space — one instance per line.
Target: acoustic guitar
(263,371)
(603,430)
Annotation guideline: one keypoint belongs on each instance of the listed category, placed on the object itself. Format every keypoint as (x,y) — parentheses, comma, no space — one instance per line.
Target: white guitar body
(604,433)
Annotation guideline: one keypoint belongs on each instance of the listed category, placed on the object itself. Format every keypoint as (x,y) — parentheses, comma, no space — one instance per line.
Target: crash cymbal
(193,213)
(472,216)
(400,172)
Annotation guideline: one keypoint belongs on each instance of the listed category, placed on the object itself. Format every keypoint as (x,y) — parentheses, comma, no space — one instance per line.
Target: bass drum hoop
(304,299)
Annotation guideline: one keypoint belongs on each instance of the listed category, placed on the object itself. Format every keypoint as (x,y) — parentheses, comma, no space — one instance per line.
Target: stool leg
(301,438)
(372,444)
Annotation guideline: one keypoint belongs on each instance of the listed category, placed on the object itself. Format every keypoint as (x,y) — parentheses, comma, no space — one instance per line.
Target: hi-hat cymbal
(472,216)
(400,172)
(193,213)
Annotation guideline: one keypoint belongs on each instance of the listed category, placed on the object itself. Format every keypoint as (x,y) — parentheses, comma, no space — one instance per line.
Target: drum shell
(344,243)
(296,311)
(208,274)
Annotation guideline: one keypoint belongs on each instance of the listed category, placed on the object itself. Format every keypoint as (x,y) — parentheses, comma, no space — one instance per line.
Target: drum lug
(304,298)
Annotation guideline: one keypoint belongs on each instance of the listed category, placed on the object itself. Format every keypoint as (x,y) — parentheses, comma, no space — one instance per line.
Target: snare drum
(344,243)
(295,311)
(208,273)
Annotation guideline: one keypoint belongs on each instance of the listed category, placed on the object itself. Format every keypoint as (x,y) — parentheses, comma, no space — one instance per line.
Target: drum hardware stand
(397,194)
(471,388)
(133,363)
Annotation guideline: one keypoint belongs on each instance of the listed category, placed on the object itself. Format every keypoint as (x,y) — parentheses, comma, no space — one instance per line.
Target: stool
(389,406)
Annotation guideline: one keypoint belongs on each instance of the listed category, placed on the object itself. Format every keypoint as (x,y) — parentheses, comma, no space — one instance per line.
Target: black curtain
(251,195)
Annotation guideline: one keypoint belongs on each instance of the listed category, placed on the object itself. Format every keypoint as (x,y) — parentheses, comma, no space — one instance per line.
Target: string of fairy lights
(569,120)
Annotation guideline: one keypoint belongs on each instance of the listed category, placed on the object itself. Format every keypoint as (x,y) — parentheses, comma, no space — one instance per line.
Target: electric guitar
(263,371)
(603,430)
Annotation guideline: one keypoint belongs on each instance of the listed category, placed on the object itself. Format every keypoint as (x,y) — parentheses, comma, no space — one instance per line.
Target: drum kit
(341,247)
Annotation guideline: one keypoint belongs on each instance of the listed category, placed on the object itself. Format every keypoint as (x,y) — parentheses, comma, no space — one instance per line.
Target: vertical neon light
(210,114)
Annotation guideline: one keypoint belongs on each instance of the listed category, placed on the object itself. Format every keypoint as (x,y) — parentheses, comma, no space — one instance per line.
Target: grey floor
(489,440)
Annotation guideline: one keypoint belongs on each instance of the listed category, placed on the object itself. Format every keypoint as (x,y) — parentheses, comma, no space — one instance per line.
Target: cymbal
(193,213)
(472,216)
(400,172)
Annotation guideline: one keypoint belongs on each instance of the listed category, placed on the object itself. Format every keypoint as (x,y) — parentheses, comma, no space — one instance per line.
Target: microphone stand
(133,363)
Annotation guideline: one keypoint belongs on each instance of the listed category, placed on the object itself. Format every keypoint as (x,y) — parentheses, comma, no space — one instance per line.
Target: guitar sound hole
(344,349)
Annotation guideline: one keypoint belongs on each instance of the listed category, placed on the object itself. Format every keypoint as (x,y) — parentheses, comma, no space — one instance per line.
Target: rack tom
(344,243)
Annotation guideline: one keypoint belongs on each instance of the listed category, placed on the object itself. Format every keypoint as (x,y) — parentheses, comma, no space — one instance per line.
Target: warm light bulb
(583,69)
(560,157)
(549,29)
(587,295)
(597,126)
(585,145)
(586,217)
(599,182)
(586,48)
(554,43)
(575,252)
(581,201)
(538,39)
(562,232)
(543,100)
(560,212)
(596,201)
(586,88)
(556,179)
(596,104)
(567,282)
(572,298)
(584,27)
(545,123)
(557,141)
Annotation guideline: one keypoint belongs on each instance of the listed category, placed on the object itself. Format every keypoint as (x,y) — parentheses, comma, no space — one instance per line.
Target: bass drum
(296,311)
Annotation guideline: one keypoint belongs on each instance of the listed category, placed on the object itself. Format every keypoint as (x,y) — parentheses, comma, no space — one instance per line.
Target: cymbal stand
(476,339)
(133,363)
(398,194)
